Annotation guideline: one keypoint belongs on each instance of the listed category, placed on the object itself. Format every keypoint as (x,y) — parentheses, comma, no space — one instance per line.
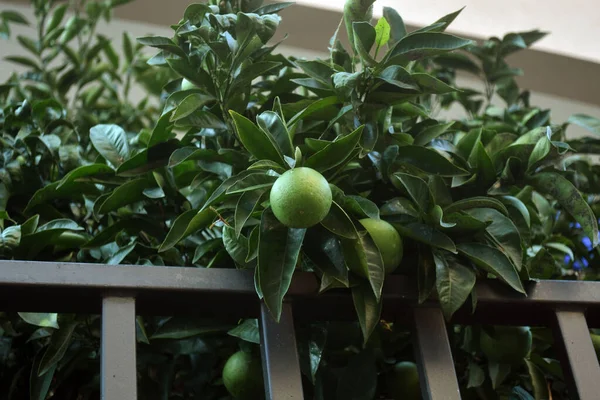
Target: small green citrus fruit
(403,381)
(301,198)
(242,376)
(388,242)
(508,344)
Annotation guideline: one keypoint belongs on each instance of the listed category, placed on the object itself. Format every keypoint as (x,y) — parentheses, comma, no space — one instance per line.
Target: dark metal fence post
(434,356)
(281,365)
(578,358)
(118,364)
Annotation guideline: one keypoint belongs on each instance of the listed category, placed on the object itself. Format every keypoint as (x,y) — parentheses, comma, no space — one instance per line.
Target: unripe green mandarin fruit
(242,376)
(301,198)
(388,242)
(508,344)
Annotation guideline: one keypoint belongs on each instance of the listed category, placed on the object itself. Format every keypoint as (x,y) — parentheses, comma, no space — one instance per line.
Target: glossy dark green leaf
(111,142)
(558,187)
(247,330)
(519,206)
(162,131)
(86,171)
(420,45)
(259,143)
(426,275)
(426,234)
(23,61)
(127,193)
(162,43)
(59,343)
(504,234)
(196,12)
(248,202)
(368,309)
(429,160)
(272,124)
(51,192)
(278,252)
(431,132)
(252,182)
(398,29)
(185,224)
(540,151)
(492,261)
(454,283)
(364,39)
(476,202)
(119,256)
(313,108)
(39,384)
(417,189)
(538,381)
(360,206)
(339,223)
(363,258)
(334,153)
(189,105)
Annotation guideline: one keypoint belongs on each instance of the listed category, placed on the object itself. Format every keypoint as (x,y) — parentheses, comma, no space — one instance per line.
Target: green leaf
(538,381)
(127,193)
(272,124)
(476,202)
(335,152)
(252,182)
(259,143)
(382,32)
(46,320)
(558,187)
(493,261)
(118,257)
(418,190)
(10,237)
(313,108)
(246,205)
(363,208)
(498,373)
(588,122)
(162,43)
(426,234)
(339,223)
(362,256)
(368,309)
(503,232)
(358,381)
(426,44)
(185,224)
(431,132)
(59,343)
(24,61)
(429,161)
(364,38)
(397,27)
(195,13)
(247,331)
(111,142)
(28,227)
(519,206)
(162,131)
(189,105)
(85,171)
(431,85)
(278,251)
(540,151)
(454,283)
(39,384)
(13,16)
(237,247)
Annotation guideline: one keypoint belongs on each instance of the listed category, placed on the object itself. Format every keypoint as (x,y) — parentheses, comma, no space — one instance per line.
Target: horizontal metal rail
(51,286)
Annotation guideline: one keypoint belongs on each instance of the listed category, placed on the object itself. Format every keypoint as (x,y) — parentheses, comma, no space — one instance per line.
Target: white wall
(561,108)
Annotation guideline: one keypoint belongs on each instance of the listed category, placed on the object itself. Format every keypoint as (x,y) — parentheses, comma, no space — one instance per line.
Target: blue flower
(567,259)
(585,262)
(587,243)
(577,266)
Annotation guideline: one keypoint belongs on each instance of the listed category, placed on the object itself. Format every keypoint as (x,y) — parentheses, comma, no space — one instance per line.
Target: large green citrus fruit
(388,242)
(508,344)
(242,376)
(403,382)
(187,85)
(300,198)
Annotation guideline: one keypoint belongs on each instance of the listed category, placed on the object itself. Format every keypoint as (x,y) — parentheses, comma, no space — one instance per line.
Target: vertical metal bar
(281,365)
(578,357)
(118,363)
(434,356)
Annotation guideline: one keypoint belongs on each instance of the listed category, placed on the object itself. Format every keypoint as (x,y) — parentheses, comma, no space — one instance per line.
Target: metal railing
(121,292)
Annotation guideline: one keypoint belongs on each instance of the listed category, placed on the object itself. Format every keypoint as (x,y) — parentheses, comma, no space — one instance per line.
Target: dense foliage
(183,178)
